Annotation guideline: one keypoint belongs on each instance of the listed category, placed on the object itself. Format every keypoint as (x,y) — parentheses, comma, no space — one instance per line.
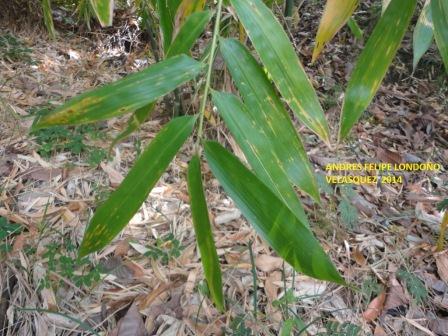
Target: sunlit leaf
(281,61)
(125,95)
(186,8)
(336,14)
(423,33)
(372,64)
(104,10)
(115,213)
(279,146)
(204,235)
(439,10)
(272,219)
(190,31)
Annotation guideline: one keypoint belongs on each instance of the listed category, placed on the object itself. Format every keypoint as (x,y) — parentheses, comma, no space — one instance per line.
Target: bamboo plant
(257,118)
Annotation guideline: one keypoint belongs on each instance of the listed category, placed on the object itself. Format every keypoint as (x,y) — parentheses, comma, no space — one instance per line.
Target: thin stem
(254,277)
(209,75)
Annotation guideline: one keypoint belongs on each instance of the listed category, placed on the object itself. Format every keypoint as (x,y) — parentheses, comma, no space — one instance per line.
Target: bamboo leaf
(114,214)
(186,8)
(282,63)
(204,235)
(272,219)
(372,64)
(440,18)
(167,11)
(423,33)
(269,136)
(355,28)
(104,10)
(259,146)
(125,95)
(190,31)
(336,14)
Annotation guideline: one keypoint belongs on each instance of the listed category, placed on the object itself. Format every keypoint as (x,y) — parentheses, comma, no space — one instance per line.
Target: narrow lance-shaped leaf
(355,28)
(270,141)
(115,213)
(272,219)
(190,31)
(48,18)
(204,235)
(423,33)
(124,95)
(186,8)
(281,61)
(258,148)
(440,19)
(104,10)
(336,14)
(372,64)
(167,11)
(183,42)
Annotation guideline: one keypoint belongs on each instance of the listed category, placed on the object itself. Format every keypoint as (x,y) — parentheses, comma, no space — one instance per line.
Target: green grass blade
(440,19)
(48,18)
(114,214)
(372,64)
(335,16)
(125,95)
(104,10)
(190,31)
(279,146)
(259,149)
(281,61)
(272,219)
(167,12)
(423,34)
(204,235)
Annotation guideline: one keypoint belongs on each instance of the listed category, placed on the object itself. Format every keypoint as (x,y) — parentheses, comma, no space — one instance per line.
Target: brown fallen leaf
(375,308)
(267,263)
(442,264)
(131,324)
(359,257)
(379,331)
(115,177)
(386,155)
(396,297)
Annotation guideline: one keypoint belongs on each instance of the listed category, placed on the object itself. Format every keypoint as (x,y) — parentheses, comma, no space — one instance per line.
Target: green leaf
(281,61)
(167,12)
(423,33)
(204,235)
(260,148)
(104,10)
(440,19)
(335,16)
(48,18)
(114,214)
(134,122)
(372,64)
(272,219)
(190,31)
(355,28)
(125,95)
(273,141)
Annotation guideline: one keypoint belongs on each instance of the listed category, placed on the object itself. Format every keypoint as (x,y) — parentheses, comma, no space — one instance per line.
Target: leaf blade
(269,121)
(290,238)
(104,10)
(113,215)
(124,95)
(335,16)
(281,61)
(204,235)
(190,31)
(423,34)
(372,64)
(440,18)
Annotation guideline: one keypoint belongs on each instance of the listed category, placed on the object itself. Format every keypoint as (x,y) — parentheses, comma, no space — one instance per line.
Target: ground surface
(382,238)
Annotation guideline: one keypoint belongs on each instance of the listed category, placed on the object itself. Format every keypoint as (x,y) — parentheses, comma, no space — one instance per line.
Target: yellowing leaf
(336,14)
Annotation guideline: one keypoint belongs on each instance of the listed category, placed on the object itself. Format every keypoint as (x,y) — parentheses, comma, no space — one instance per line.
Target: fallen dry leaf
(131,324)
(267,263)
(396,297)
(375,308)
(442,264)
